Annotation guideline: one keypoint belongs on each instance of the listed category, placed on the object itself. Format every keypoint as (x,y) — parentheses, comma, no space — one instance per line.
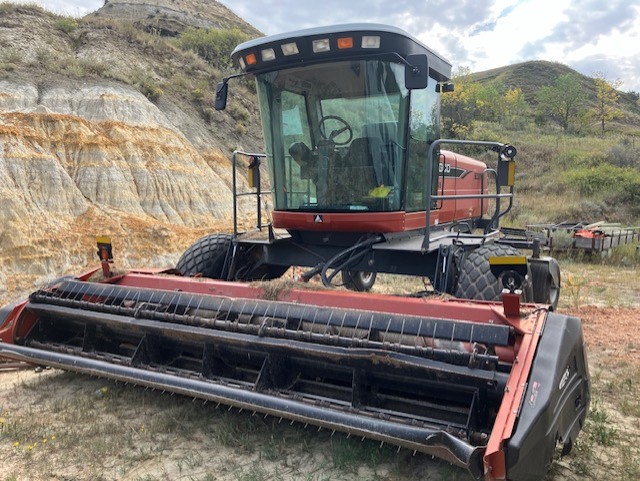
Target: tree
(607,97)
(515,108)
(460,107)
(470,101)
(563,101)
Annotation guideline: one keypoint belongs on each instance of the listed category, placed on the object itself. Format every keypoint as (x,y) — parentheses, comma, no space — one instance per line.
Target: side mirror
(222,89)
(444,87)
(416,72)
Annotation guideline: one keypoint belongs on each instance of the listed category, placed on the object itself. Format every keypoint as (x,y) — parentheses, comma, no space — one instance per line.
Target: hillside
(101,132)
(530,76)
(577,173)
(171,17)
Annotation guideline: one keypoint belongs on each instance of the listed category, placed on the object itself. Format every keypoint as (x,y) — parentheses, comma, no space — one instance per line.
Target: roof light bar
(370,41)
(321,45)
(251,59)
(289,49)
(268,54)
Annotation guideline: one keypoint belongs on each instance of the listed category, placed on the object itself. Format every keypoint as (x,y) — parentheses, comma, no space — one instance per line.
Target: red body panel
(460,175)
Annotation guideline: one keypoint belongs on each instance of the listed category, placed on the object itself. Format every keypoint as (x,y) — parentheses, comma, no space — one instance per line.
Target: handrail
(258,193)
(430,197)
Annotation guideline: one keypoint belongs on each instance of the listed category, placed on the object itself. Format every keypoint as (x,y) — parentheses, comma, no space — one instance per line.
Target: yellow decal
(507,260)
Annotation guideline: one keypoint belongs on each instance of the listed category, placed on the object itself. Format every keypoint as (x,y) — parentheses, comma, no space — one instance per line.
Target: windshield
(334,135)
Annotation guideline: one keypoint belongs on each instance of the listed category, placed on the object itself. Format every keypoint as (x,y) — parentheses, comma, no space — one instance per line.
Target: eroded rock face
(99,151)
(170,17)
(83,152)
(104,145)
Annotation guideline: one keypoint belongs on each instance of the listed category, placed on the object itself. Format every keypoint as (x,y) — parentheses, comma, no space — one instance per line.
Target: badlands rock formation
(95,152)
(82,155)
(170,17)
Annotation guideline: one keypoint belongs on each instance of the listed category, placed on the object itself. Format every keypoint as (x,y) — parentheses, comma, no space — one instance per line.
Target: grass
(608,448)
(76,427)
(552,168)
(601,430)
(598,281)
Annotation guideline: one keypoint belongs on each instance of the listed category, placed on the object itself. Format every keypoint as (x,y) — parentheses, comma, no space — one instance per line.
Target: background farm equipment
(595,237)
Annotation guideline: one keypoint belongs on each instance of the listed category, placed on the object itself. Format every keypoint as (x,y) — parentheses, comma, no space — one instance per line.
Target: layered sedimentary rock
(70,157)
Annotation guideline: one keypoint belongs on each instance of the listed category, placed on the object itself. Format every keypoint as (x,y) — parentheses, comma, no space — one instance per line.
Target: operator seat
(386,160)
(354,175)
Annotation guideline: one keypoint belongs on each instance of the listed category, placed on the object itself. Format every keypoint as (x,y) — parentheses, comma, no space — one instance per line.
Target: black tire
(359,281)
(545,277)
(475,280)
(206,257)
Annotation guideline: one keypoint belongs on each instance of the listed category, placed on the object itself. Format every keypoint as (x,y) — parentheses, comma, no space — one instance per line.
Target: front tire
(358,280)
(206,257)
(475,280)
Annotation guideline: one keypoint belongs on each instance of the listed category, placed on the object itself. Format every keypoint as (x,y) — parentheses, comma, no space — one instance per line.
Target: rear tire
(206,257)
(475,280)
(358,280)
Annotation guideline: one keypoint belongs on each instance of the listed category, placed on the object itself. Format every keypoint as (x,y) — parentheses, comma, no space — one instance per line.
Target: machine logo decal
(317,218)
(447,170)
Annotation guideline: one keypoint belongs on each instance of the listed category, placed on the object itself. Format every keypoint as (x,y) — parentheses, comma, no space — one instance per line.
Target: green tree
(607,97)
(562,101)
(460,107)
(489,101)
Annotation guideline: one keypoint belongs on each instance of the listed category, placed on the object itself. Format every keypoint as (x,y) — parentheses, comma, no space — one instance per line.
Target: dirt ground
(60,426)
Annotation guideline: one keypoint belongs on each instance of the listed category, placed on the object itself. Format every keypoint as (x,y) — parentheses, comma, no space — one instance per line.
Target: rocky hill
(171,17)
(106,128)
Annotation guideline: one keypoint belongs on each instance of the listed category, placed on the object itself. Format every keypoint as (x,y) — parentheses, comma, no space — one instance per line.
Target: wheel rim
(366,277)
(554,292)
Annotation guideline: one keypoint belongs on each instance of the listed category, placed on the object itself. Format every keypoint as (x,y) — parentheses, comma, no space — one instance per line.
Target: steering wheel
(337,132)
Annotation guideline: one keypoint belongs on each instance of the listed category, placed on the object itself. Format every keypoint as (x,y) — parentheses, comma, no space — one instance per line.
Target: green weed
(66,25)
(601,430)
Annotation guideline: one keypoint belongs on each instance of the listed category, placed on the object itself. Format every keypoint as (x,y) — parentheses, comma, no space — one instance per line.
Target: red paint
(494,457)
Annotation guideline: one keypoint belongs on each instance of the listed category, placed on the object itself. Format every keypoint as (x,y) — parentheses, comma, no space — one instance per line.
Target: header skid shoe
(458,380)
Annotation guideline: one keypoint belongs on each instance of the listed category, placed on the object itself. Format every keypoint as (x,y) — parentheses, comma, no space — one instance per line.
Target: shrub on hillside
(66,25)
(237,111)
(573,158)
(149,88)
(11,55)
(624,155)
(631,196)
(605,179)
(213,45)
(95,67)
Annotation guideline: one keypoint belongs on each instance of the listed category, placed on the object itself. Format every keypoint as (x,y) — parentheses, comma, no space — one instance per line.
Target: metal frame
(497,214)
(258,192)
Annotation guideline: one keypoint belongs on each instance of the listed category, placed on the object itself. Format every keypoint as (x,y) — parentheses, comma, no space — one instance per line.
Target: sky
(588,35)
